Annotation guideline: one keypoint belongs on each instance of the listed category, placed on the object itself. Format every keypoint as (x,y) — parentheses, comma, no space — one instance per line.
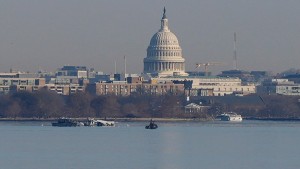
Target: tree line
(48,104)
(271,106)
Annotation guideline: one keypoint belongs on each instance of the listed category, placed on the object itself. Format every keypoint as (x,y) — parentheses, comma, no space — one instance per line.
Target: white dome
(164,55)
(164,38)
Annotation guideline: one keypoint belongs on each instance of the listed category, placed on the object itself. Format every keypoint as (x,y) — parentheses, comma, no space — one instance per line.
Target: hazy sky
(48,34)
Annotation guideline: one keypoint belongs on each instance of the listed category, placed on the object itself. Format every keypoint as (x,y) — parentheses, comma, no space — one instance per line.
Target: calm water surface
(202,145)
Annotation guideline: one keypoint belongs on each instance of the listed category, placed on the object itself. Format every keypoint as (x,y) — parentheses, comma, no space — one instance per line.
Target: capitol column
(147,66)
(153,66)
(159,66)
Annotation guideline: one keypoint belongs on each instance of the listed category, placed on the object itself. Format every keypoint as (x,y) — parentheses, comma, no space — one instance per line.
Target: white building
(12,82)
(73,71)
(164,55)
(219,86)
(195,108)
(279,86)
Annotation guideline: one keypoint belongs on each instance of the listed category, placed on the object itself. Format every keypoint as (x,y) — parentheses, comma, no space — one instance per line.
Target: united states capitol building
(164,72)
(164,54)
(165,63)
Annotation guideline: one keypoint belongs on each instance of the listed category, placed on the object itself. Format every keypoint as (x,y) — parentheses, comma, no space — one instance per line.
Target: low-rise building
(13,82)
(135,85)
(125,89)
(65,89)
(210,86)
(73,71)
(293,77)
(279,86)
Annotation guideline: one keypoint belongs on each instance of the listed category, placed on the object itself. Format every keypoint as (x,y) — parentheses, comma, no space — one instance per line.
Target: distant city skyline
(51,33)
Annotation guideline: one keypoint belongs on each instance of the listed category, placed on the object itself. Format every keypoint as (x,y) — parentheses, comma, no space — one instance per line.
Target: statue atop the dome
(164,16)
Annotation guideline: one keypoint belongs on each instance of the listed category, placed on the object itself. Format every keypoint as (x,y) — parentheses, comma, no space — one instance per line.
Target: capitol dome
(164,38)
(164,54)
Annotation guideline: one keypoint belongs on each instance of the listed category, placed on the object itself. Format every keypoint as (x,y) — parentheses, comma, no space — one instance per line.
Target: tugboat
(66,122)
(152,125)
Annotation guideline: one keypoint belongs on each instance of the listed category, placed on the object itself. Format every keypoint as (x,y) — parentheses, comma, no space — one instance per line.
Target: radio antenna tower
(234,52)
(115,66)
(124,65)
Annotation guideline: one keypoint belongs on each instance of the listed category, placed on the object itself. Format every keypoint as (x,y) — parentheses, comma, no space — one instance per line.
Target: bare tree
(78,105)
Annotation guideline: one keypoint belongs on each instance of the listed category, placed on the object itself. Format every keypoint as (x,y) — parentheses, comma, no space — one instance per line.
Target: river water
(174,145)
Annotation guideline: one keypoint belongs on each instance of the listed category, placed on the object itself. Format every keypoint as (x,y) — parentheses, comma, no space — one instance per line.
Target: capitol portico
(164,55)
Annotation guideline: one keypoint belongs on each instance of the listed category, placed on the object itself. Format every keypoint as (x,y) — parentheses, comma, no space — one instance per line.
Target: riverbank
(272,118)
(115,119)
(154,119)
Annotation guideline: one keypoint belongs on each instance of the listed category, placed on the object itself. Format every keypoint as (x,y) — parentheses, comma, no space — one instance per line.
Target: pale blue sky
(52,33)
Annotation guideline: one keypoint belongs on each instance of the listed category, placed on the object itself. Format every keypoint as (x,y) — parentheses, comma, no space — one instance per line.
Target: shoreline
(154,119)
(113,119)
(272,118)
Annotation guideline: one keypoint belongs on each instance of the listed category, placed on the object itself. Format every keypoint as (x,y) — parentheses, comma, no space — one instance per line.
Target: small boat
(230,116)
(93,122)
(152,125)
(66,122)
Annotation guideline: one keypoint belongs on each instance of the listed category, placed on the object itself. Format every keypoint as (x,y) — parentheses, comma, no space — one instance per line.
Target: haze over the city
(48,34)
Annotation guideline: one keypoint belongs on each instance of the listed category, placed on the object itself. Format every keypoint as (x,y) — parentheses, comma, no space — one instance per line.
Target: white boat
(230,116)
(105,123)
(93,122)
